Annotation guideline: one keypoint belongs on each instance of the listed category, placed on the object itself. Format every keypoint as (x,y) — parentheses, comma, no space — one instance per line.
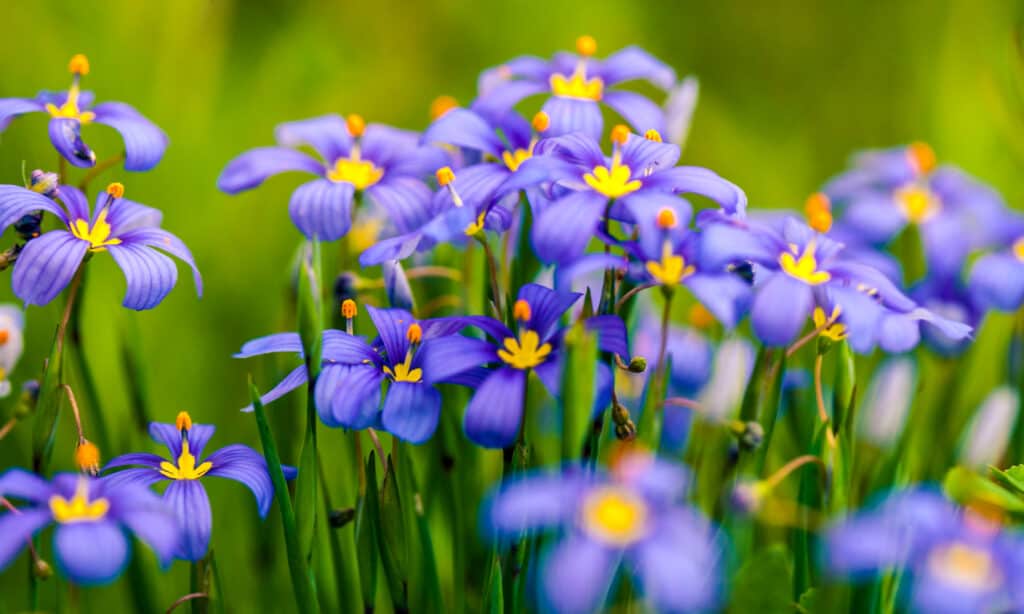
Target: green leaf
(494,602)
(391,539)
(764,584)
(367,527)
(302,582)
(653,413)
(845,386)
(578,389)
(525,265)
(964,486)
(48,407)
(311,331)
(1012,478)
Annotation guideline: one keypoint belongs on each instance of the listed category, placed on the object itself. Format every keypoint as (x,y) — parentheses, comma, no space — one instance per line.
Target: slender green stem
(88,383)
(97,170)
(492,268)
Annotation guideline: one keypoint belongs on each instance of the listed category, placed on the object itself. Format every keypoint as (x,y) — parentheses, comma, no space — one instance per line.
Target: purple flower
(632,518)
(588,188)
(958,562)
(494,414)
(888,190)
(185,494)
(94,520)
(798,271)
(384,163)
(144,143)
(126,230)
(411,356)
(996,280)
(577,84)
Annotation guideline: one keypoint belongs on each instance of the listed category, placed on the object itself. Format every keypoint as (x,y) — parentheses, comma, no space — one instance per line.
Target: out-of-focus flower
(887,402)
(797,269)
(679,107)
(632,517)
(185,493)
(991,428)
(12,342)
(95,521)
(386,164)
(128,231)
(958,561)
(588,187)
(578,84)
(997,280)
(495,412)
(144,142)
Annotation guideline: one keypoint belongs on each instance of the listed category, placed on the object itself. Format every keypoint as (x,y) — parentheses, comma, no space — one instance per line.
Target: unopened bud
(27,401)
(42,569)
(87,457)
(750,434)
(625,431)
(44,183)
(339,518)
(638,364)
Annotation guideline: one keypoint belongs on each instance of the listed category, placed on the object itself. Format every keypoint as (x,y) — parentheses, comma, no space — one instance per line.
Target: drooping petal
(577,148)
(997,280)
(327,134)
(546,306)
(150,275)
(20,484)
(724,244)
(254,166)
(348,395)
(697,180)
(46,265)
(395,248)
(682,100)
(577,574)
(13,107)
(167,242)
(147,516)
(243,464)
(17,528)
(464,128)
(781,308)
(137,476)
(641,154)
(270,344)
(135,458)
(634,63)
(493,415)
(191,507)
(347,349)
(874,217)
(16,202)
(726,295)
(502,96)
(562,230)
(295,378)
(404,200)
(411,411)
(611,334)
(537,501)
(446,357)
(541,169)
(678,567)
(637,110)
(65,134)
(91,553)
(322,209)
(144,142)
(384,144)
(570,115)
(391,325)
(476,186)
(126,215)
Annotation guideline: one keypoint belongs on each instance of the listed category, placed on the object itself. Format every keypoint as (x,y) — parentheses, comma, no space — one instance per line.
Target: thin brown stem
(31,547)
(625,297)
(97,170)
(684,402)
(186,598)
(62,328)
(75,412)
(810,336)
(434,271)
(492,268)
(7,427)
(376,444)
(819,398)
(783,472)
(666,316)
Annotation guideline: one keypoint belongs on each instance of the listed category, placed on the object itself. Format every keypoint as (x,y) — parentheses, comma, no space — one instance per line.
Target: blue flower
(632,518)
(578,84)
(144,143)
(385,163)
(958,562)
(94,519)
(185,494)
(996,280)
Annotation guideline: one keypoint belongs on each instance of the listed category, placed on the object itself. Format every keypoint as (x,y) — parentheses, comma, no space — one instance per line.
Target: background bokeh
(788,90)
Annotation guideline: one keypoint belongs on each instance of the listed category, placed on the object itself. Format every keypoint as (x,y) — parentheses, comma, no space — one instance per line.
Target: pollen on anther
(586,45)
(666,218)
(79,64)
(445,175)
(521,311)
(818,210)
(620,134)
(356,125)
(653,135)
(116,189)
(183,422)
(414,334)
(87,457)
(349,309)
(5,335)
(922,157)
(541,121)
(441,105)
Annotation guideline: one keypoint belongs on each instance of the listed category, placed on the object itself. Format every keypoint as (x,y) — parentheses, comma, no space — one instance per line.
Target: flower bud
(27,402)
(87,457)
(42,569)
(339,518)
(638,364)
(44,183)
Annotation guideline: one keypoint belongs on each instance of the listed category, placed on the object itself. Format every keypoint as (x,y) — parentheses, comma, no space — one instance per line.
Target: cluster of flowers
(628,216)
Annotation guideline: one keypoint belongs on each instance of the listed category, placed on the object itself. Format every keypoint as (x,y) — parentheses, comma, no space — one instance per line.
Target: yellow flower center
(671,269)
(577,85)
(834,331)
(360,173)
(513,159)
(404,372)
(614,516)
(477,226)
(525,352)
(70,110)
(1018,249)
(186,468)
(965,565)
(917,203)
(804,268)
(612,182)
(98,236)
(79,508)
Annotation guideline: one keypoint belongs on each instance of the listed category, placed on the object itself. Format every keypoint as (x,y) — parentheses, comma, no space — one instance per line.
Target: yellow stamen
(612,182)
(521,311)
(79,508)
(441,105)
(525,352)
(116,190)
(360,173)
(620,134)
(804,268)
(404,372)
(965,565)
(614,516)
(666,218)
(586,46)
(445,175)
(541,121)
(70,110)
(577,86)
(79,65)
(186,468)
(349,309)
(922,157)
(356,125)
(98,235)
(671,269)
(834,331)
(87,457)
(917,202)
(653,135)
(1018,249)
(513,159)
(476,226)
(183,422)
(414,334)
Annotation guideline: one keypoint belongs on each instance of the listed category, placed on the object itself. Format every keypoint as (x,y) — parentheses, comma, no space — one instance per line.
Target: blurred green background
(788,90)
